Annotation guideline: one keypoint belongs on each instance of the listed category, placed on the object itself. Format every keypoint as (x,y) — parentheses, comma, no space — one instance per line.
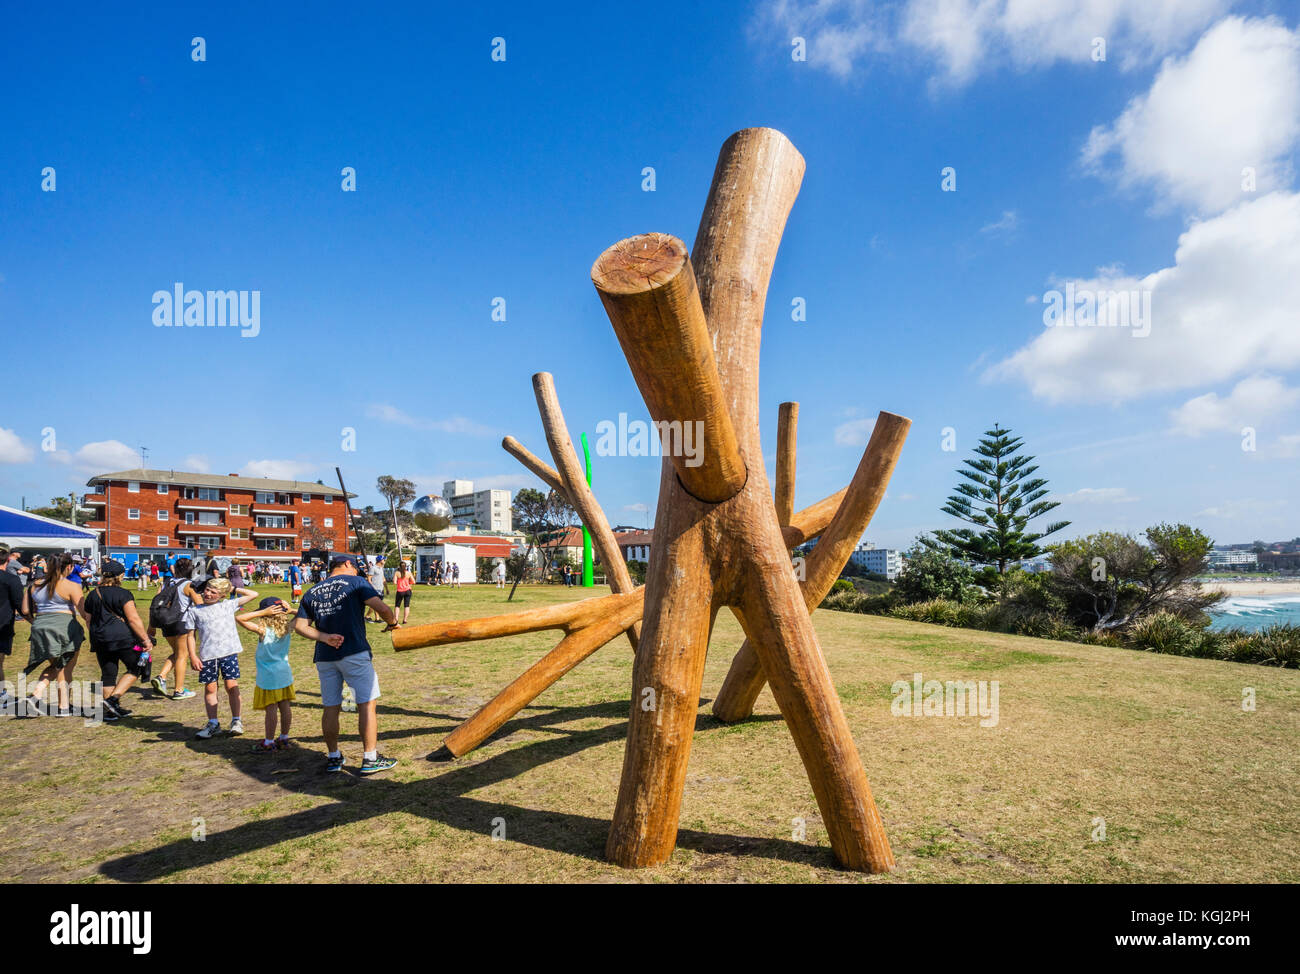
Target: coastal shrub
(843,585)
(1164,632)
(942,612)
(930,575)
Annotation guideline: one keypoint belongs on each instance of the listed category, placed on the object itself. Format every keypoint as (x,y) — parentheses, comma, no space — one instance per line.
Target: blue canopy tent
(31,532)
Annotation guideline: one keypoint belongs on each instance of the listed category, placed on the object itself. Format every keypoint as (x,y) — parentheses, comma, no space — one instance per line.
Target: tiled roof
(183,479)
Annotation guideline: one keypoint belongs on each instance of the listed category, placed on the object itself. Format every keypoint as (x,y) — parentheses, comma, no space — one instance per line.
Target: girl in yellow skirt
(273,623)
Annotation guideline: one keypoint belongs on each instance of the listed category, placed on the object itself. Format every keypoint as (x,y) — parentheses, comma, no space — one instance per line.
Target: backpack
(165,611)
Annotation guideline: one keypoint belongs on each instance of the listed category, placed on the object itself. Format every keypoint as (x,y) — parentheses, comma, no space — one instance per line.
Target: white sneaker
(209,729)
(236,727)
(7,703)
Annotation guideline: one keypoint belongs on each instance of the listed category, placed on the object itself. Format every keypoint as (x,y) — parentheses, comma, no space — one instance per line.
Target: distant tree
(929,573)
(1112,580)
(1258,547)
(398,492)
(1000,497)
(314,537)
(60,509)
(541,518)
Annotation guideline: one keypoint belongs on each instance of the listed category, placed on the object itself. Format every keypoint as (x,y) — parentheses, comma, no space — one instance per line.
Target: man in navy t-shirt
(332,613)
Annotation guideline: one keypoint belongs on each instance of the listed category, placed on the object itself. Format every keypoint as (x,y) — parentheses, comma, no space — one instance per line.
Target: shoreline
(1255,589)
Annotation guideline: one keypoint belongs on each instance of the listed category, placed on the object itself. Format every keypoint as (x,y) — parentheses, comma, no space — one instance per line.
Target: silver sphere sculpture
(432,513)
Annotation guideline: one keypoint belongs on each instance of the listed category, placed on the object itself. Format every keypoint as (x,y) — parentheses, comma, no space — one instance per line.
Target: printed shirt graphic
(218,634)
(273,671)
(336,605)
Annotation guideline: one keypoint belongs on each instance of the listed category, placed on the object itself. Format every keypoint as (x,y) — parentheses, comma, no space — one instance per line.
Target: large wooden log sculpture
(690,328)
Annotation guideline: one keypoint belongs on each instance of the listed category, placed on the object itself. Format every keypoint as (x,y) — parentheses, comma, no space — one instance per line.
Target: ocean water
(1255,611)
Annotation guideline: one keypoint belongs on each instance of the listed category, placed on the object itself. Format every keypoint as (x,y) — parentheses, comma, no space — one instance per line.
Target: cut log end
(640,263)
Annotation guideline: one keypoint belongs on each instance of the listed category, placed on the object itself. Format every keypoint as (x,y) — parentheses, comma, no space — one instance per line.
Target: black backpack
(165,610)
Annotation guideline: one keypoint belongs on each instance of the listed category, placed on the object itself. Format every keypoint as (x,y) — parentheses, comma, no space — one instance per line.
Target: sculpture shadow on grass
(441,798)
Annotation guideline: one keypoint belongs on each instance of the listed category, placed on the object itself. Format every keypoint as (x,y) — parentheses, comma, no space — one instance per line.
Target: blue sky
(479,179)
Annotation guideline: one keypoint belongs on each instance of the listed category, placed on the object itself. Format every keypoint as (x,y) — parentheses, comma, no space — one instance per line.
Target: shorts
(177,628)
(297,590)
(6,639)
(403,599)
(357,671)
(113,655)
(227,668)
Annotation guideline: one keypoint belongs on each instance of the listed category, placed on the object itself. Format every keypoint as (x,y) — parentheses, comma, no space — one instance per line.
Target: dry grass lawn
(1191,787)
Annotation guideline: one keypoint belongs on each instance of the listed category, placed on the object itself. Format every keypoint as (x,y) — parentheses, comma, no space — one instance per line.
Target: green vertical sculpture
(588,579)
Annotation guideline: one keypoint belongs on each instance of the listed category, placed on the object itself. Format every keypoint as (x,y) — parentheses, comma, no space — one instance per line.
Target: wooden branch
(542,470)
(572,650)
(812,520)
(569,616)
(744,681)
(787,433)
(648,289)
(580,496)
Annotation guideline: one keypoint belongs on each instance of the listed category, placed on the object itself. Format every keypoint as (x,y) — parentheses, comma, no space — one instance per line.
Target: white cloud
(1236,508)
(278,469)
(838,33)
(638,507)
(1251,401)
(1226,308)
(13,449)
(1288,445)
(1096,495)
(1005,224)
(456,424)
(197,463)
(965,38)
(1232,103)
(106,456)
(855,432)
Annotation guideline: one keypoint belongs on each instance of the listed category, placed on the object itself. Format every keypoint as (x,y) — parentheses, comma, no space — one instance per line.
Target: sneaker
(209,729)
(111,706)
(380,763)
(159,684)
(261,747)
(66,712)
(334,764)
(284,743)
(35,707)
(236,727)
(182,694)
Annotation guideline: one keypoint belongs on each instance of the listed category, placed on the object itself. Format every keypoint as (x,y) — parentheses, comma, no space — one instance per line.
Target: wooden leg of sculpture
(573,649)
(787,433)
(745,679)
(666,680)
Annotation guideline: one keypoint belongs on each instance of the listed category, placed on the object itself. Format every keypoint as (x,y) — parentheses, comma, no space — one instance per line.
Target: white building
(881,561)
(484,510)
(1232,559)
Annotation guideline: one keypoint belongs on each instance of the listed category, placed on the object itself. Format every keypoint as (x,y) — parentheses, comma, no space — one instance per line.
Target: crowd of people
(198,612)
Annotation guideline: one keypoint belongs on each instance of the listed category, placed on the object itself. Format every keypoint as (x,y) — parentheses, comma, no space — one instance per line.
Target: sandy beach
(1290,586)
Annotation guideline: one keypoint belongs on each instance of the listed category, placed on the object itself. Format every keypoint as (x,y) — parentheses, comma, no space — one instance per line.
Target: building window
(133,540)
(306,498)
(329,498)
(272,520)
(163,541)
(306,522)
(264,497)
(162,488)
(202,494)
(241,533)
(133,513)
(133,486)
(328,522)
(163,515)
(240,509)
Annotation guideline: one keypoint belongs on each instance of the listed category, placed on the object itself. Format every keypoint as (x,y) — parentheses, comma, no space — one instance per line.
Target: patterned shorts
(226,666)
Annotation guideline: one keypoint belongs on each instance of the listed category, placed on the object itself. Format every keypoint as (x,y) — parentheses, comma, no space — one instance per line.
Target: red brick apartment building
(152,513)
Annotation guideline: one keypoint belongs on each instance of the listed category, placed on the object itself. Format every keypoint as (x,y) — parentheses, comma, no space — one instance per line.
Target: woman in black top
(117,636)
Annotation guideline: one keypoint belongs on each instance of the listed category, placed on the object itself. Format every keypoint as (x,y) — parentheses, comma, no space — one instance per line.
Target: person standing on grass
(273,692)
(14,566)
(332,614)
(499,573)
(56,636)
(219,648)
(117,637)
(11,607)
(235,575)
(379,582)
(175,606)
(403,581)
(295,581)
